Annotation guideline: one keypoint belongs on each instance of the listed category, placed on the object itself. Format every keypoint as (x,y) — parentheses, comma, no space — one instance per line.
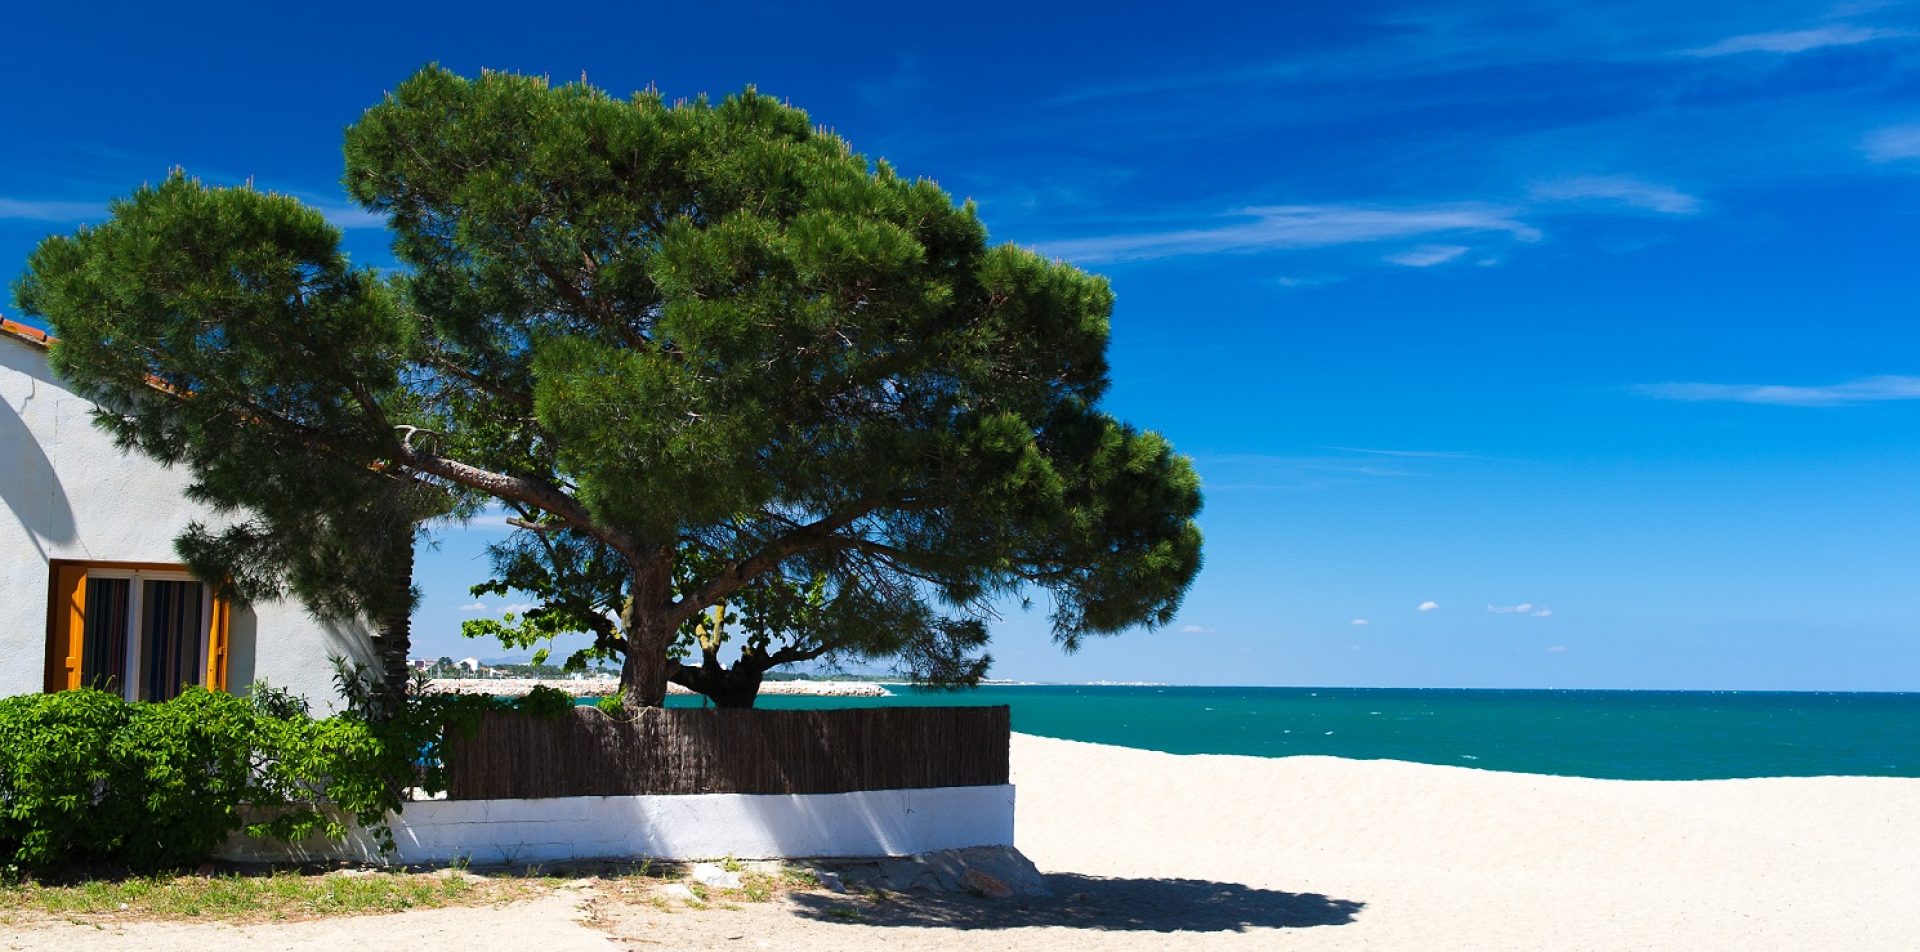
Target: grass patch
(240,897)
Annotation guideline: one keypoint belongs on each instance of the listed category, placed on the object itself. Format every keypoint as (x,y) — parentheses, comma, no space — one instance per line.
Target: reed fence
(686,751)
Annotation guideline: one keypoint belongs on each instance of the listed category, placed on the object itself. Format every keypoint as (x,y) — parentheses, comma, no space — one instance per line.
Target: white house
(92,592)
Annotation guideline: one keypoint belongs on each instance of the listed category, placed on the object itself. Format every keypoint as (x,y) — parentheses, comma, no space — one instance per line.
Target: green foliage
(86,774)
(613,705)
(61,792)
(244,300)
(703,351)
(544,701)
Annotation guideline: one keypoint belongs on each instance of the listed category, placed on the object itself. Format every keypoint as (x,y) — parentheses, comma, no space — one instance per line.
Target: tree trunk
(394,640)
(735,687)
(643,675)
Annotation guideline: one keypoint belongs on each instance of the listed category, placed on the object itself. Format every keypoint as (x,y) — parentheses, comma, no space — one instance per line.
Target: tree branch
(528,492)
(812,535)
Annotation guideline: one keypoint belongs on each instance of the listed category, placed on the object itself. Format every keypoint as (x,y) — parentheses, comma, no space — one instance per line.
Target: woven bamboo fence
(685,751)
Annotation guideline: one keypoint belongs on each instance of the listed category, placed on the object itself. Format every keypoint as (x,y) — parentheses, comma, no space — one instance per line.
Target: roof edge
(31,335)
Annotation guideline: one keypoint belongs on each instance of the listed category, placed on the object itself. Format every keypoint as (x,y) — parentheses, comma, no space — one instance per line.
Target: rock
(712,876)
(997,871)
(982,884)
(450,872)
(354,872)
(1007,865)
(829,880)
(905,873)
(678,891)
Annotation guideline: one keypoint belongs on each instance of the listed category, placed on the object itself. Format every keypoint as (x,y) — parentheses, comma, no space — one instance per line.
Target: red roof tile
(32,335)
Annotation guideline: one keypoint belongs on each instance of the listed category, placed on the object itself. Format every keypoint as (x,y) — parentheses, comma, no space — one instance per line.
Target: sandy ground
(1155,851)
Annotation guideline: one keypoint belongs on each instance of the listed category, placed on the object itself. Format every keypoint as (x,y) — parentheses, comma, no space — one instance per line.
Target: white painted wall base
(703,826)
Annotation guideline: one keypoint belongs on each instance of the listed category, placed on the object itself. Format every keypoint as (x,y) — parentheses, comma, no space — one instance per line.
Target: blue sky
(1591,326)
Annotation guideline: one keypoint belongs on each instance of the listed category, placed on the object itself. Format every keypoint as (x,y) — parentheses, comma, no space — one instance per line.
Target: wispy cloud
(1274,227)
(30,209)
(1556,649)
(1893,143)
(474,607)
(1307,281)
(349,217)
(1408,454)
(1358,621)
(1621,189)
(33,209)
(1428,606)
(1797,41)
(1865,390)
(1524,608)
(517,608)
(1196,630)
(1426,256)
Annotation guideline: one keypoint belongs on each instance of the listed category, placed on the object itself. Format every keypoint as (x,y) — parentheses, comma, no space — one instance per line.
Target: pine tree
(704,353)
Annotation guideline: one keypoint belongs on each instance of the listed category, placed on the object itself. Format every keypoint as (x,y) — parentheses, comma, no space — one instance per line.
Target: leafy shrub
(87,775)
(544,701)
(57,775)
(613,705)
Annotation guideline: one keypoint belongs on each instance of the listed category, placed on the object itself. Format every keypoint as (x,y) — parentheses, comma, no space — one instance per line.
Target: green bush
(59,783)
(86,775)
(544,701)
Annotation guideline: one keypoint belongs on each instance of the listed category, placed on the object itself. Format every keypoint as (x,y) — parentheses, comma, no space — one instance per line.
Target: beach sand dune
(1157,851)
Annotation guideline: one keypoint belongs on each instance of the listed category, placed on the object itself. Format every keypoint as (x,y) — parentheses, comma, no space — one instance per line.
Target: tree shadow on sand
(1091,902)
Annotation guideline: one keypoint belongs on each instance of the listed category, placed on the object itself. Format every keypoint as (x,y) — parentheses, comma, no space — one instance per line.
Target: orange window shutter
(217,639)
(66,632)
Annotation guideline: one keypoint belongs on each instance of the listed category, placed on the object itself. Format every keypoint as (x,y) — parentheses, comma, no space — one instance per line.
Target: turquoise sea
(1638,735)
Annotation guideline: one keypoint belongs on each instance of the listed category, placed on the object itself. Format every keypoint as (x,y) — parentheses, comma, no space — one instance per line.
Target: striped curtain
(103,642)
(171,636)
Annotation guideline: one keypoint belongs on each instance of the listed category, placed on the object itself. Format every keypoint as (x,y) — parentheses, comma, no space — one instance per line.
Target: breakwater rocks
(603,687)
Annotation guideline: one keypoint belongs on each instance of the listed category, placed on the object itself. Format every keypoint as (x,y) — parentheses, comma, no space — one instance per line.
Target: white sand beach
(1156,851)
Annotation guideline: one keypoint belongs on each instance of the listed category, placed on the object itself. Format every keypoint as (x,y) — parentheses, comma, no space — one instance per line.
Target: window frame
(66,614)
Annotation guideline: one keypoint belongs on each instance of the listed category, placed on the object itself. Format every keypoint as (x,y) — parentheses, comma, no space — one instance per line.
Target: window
(144,632)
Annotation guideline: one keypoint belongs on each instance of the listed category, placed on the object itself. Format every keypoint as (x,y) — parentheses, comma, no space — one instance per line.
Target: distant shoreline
(607,687)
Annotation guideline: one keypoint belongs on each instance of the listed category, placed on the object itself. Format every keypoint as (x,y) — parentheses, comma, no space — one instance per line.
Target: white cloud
(1524,608)
(1864,390)
(38,210)
(1196,630)
(1271,227)
(1797,41)
(1625,190)
(517,608)
(1428,606)
(1426,256)
(474,607)
(1359,621)
(349,217)
(1543,613)
(1307,281)
(1893,143)
(1557,649)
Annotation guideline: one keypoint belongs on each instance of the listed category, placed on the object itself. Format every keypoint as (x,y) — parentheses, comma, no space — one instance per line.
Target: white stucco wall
(702,826)
(69,493)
